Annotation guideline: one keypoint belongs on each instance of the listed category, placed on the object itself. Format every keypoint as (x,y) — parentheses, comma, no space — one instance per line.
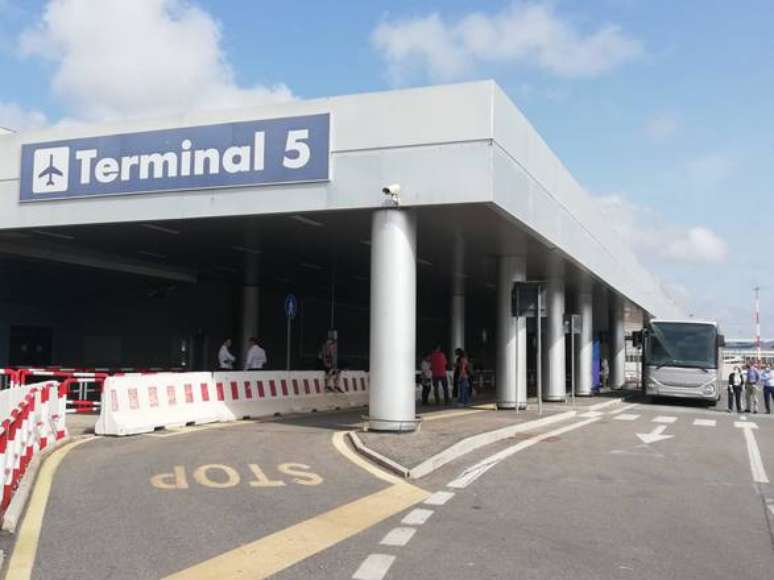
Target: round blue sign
(291,306)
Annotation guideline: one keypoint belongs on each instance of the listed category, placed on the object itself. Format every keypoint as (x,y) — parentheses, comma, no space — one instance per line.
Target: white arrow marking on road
(655,435)
(753,452)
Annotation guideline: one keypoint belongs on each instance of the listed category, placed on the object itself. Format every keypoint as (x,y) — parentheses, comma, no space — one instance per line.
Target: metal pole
(287,351)
(516,348)
(539,351)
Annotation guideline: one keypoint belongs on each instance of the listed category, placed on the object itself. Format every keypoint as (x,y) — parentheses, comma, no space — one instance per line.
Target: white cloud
(662,127)
(697,244)
(651,237)
(17,118)
(523,33)
(710,170)
(118,59)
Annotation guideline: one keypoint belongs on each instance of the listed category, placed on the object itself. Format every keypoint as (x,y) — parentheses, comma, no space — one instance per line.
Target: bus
(681,358)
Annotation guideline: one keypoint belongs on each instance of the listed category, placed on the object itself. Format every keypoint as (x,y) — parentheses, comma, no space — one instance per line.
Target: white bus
(681,358)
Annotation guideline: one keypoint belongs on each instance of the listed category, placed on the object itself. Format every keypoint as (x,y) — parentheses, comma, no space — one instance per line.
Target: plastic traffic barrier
(140,403)
(32,417)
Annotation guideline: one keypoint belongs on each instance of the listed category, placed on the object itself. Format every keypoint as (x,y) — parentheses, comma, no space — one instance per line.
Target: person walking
(462,368)
(735,383)
(767,378)
(752,379)
(256,356)
(226,360)
(438,368)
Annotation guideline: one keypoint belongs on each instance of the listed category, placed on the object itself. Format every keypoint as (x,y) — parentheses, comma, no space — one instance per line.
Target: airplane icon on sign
(50,171)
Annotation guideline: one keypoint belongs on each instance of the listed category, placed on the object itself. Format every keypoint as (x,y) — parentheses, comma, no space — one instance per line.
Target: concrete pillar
(617,342)
(393,320)
(511,371)
(249,306)
(457,334)
(584,343)
(555,387)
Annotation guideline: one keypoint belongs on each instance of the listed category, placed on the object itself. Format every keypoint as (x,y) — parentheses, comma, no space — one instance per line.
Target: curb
(376,457)
(13,514)
(460,448)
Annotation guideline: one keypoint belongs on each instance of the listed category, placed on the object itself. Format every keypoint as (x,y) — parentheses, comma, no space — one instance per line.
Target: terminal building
(400,220)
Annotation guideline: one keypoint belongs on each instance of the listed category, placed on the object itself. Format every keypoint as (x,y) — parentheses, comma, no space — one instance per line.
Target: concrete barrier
(141,403)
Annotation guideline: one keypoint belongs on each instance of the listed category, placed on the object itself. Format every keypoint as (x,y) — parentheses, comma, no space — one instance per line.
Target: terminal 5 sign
(270,151)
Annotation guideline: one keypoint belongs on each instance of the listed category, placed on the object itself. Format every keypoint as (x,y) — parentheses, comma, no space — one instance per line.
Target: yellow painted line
(448,415)
(174,431)
(278,551)
(23,558)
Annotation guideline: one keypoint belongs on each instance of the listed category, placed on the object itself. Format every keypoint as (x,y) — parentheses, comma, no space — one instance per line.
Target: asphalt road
(593,502)
(583,498)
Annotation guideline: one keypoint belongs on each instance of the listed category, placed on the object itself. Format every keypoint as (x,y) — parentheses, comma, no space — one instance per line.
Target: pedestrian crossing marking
(663,419)
(626,417)
(705,422)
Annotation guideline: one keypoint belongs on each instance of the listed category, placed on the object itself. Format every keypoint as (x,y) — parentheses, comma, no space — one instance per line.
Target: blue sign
(291,306)
(271,151)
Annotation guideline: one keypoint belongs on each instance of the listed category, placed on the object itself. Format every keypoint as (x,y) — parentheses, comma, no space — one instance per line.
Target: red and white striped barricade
(250,394)
(30,415)
(141,403)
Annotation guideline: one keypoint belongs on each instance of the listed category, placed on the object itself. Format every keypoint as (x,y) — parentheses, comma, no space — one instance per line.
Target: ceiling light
(251,251)
(307,221)
(53,235)
(152,254)
(161,229)
(424,262)
(365,242)
(310,266)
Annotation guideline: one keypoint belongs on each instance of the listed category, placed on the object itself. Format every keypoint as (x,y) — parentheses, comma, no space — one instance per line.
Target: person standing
(256,356)
(735,383)
(751,388)
(439,367)
(226,360)
(426,380)
(462,369)
(767,378)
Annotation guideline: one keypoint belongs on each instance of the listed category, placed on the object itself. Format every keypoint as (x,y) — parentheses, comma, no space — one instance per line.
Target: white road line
(705,422)
(771,508)
(439,498)
(622,409)
(662,419)
(374,567)
(599,406)
(473,473)
(626,417)
(417,517)
(753,453)
(398,537)
(590,414)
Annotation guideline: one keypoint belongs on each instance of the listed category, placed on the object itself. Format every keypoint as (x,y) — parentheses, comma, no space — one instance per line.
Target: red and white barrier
(142,403)
(33,417)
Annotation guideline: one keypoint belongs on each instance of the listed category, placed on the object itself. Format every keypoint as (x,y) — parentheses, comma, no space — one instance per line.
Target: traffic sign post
(291,309)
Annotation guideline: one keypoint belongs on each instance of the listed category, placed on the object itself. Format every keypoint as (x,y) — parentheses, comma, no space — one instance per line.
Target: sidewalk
(449,433)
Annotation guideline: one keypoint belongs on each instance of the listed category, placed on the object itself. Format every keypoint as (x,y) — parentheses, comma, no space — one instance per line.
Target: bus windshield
(682,344)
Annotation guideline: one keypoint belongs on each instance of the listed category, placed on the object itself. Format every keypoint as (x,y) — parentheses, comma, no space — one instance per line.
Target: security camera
(393,189)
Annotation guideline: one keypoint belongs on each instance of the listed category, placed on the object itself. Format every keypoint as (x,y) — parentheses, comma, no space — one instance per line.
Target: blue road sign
(291,306)
(261,152)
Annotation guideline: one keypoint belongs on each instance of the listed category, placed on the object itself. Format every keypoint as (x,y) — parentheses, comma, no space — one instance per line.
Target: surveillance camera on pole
(393,192)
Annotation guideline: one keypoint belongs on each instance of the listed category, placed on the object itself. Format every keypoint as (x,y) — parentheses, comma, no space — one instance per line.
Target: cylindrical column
(617,343)
(556,388)
(249,303)
(584,343)
(393,320)
(511,377)
(457,334)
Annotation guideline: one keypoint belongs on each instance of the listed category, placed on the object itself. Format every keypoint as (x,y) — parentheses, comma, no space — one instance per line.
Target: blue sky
(661,109)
